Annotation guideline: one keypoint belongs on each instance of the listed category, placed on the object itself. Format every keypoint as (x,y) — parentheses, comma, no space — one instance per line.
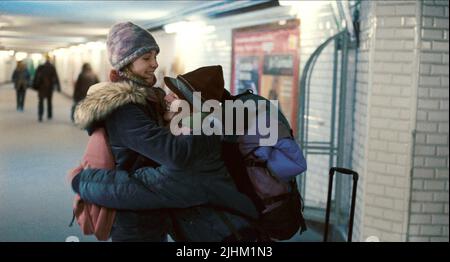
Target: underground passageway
(34,157)
(363,84)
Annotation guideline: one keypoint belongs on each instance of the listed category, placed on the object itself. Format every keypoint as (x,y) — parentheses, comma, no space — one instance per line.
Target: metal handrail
(305,80)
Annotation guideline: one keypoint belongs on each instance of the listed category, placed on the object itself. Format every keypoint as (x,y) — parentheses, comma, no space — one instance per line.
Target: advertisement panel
(265,59)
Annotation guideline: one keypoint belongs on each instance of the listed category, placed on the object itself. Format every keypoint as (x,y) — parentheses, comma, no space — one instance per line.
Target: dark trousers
(20,94)
(41,107)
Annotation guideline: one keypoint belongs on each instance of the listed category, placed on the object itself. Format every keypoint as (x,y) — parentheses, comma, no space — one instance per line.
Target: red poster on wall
(265,59)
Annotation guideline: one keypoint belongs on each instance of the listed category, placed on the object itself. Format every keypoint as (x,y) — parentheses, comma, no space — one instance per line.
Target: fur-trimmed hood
(103,98)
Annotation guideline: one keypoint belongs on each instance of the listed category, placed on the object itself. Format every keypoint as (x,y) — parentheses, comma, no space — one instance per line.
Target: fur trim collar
(103,98)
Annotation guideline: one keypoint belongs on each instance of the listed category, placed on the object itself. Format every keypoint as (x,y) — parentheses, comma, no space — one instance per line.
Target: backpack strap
(303,227)
(296,193)
(252,163)
(274,199)
(236,167)
(251,152)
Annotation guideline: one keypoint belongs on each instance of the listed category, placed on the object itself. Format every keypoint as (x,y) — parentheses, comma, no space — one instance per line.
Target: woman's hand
(73,173)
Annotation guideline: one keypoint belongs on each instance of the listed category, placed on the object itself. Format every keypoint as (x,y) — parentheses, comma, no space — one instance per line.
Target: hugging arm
(144,136)
(117,189)
(147,188)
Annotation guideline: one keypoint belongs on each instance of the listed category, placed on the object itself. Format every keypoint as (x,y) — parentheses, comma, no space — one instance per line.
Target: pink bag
(94,219)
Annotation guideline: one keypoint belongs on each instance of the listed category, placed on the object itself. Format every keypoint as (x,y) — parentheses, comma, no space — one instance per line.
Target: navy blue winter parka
(185,188)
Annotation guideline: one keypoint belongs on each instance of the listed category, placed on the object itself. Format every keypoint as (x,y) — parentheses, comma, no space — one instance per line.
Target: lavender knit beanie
(126,42)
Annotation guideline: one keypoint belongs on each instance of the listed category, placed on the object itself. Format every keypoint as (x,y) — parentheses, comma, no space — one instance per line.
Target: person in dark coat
(45,81)
(131,110)
(21,78)
(85,79)
(204,181)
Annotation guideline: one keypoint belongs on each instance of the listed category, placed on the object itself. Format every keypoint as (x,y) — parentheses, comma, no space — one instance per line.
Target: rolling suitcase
(352,208)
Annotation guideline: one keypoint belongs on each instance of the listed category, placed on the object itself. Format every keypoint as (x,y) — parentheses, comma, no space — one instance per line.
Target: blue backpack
(267,174)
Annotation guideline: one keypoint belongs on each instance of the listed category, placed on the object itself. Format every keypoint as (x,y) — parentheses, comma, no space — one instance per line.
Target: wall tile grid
(385,135)
(429,216)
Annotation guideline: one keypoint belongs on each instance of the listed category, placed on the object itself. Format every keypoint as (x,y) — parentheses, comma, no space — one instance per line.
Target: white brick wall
(360,136)
(429,219)
(387,87)
(7,65)
(383,139)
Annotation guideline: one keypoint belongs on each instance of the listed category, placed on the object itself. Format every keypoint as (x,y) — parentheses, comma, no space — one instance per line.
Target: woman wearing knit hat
(131,111)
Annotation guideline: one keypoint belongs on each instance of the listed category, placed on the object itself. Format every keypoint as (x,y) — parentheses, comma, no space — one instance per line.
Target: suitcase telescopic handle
(355,176)
(344,171)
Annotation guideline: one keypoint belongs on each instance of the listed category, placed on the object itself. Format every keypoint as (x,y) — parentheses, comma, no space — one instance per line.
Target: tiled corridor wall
(429,216)
(7,65)
(68,64)
(402,121)
(390,119)
(360,115)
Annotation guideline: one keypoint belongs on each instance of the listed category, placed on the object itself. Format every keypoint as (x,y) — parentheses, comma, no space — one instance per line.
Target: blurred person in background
(85,79)
(45,81)
(21,78)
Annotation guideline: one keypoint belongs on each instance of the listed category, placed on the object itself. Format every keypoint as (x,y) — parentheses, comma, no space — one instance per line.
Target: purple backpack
(267,175)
